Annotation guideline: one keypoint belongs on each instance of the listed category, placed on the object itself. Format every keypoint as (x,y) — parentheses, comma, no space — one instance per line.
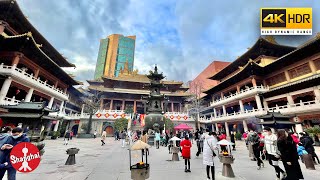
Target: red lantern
(115,115)
(178,117)
(185,117)
(171,117)
(123,115)
(99,115)
(107,115)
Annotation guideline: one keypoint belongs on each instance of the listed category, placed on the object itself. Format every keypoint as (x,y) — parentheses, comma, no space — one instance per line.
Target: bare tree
(92,105)
(196,89)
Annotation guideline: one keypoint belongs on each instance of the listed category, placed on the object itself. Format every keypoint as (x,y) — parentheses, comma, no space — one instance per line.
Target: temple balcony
(290,109)
(29,80)
(100,114)
(178,116)
(10,101)
(244,93)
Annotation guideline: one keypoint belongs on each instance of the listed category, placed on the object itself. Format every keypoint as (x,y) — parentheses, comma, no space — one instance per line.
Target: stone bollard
(72,156)
(308,161)
(175,151)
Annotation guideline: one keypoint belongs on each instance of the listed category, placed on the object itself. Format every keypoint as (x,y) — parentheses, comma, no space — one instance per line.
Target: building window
(276,79)
(317,63)
(299,71)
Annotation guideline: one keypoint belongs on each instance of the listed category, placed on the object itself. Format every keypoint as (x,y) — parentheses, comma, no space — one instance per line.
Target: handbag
(213,153)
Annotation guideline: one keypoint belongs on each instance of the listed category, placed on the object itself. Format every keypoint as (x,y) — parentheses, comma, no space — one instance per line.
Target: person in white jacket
(270,146)
(209,145)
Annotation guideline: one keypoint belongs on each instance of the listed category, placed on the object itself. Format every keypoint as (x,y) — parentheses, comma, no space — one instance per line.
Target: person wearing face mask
(17,137)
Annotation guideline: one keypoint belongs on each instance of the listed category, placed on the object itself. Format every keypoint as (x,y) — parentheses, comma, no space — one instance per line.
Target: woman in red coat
(186,146)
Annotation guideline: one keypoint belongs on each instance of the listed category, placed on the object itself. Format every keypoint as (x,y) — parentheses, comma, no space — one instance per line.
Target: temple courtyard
(95,162)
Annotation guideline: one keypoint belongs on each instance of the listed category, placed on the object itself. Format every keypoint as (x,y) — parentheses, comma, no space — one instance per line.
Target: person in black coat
(289,156)
(307,142)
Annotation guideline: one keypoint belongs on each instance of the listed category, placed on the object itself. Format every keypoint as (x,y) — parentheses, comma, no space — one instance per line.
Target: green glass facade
(101,60)
(125,53)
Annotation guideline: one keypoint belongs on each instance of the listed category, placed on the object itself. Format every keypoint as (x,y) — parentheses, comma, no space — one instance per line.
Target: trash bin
(140,171)
(72,156)
(226,161)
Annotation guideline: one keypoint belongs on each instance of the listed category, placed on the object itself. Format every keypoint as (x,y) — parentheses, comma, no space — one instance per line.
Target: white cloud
(182,37)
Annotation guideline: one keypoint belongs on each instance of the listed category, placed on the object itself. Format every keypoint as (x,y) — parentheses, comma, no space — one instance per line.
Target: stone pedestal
(175,151)
(308,161)
(140,173)
(226,167)
(72,156)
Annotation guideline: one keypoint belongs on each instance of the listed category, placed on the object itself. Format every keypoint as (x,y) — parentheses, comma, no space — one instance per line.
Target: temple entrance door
(109,130)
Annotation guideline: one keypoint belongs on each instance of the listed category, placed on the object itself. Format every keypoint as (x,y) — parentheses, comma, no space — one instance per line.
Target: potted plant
(55,135)
(238,136)
(314,132)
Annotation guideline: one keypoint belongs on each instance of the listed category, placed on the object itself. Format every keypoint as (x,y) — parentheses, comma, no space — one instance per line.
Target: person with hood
(270,147)
(255,142)
(209,145)
(17,137)
(186,152)
(5,134)
(307,143)
(289,155)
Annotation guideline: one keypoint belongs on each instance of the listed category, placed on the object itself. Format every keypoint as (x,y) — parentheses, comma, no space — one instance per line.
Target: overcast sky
(182,37)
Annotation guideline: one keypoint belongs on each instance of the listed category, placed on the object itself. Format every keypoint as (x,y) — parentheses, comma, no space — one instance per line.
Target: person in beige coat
(103,137)
(144,138)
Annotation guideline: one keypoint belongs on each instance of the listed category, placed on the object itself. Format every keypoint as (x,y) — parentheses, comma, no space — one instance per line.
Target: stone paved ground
(111,162)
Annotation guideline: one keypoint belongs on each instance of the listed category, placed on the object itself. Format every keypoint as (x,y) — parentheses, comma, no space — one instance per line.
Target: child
(3,165)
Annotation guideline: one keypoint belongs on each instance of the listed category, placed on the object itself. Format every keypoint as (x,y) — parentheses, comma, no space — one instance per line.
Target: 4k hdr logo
(286,21)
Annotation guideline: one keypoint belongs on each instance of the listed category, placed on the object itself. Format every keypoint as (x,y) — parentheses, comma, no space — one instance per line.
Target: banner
(142,116)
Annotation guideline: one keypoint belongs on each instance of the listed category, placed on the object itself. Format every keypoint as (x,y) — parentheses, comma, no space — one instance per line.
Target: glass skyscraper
(114,53)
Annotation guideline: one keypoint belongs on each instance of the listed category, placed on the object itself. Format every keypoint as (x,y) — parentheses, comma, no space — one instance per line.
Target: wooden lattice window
(317,63)
(299,71)
(276,79)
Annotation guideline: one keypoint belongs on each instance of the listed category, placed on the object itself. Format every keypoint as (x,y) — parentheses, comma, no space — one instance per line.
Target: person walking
(103,137)
(186,152)
(270,147)
(232,139)
(144,138)
(197,138)
(71,134)
(66,137)
(17,137)
(289,155)
(255,142)
(123,138)
(209,145)
(95,134)
(157,138)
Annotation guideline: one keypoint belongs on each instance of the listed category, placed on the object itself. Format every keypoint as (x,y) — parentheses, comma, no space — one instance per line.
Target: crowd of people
(282,145)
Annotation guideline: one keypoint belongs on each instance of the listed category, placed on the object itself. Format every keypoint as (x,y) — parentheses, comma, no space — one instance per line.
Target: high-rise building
(114,52)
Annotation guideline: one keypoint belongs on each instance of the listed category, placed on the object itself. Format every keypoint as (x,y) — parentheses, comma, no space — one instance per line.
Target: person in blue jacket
(17,137)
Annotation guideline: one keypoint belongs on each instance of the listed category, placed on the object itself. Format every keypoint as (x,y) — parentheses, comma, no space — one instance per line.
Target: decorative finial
(156,69)
(271,39)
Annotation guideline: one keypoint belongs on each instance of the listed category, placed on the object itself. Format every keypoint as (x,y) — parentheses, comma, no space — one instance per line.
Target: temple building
(30,67)
(125,93)
(269,77)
